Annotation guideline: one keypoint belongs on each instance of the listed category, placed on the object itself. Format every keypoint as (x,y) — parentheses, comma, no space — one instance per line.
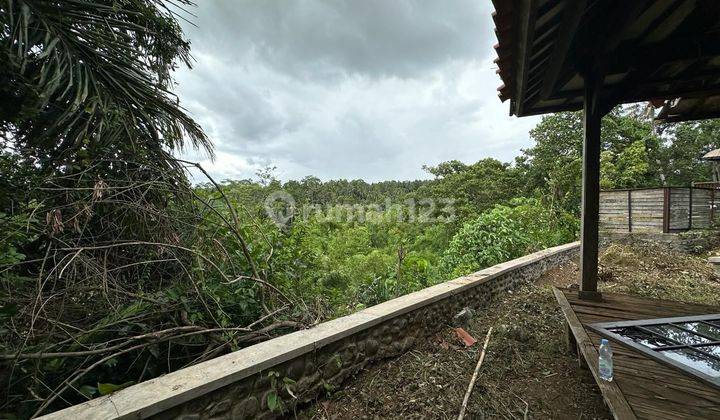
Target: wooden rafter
(526,34)
(572,14)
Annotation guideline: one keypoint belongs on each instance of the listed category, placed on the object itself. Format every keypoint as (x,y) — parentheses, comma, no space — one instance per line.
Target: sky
(356,89)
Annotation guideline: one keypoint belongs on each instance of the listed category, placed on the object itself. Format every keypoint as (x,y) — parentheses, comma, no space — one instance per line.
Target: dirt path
(526,373)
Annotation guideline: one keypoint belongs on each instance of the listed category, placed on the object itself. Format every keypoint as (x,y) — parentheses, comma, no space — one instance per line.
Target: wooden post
(593,112)
(690,209)
(666,209)
(629,210)
(712,206)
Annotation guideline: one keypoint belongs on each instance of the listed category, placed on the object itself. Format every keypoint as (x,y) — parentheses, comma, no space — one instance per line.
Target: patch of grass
(659,274)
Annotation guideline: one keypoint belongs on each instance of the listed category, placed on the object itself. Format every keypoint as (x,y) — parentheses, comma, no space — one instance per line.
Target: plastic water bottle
(605,362)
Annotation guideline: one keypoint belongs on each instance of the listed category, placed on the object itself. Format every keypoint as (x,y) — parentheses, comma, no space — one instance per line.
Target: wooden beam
(619,18)
(712,207)
(572,102)
(572,15)
(610,391)
(549,15)
(628,18)
(663,52)
(691,117)
(641,61)
(707,79)
(649,18)
(669,25)
(633,87)
(666,113)
(593,111)
(690,209)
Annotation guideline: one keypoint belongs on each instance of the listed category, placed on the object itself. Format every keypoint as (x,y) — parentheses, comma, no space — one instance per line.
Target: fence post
(690,209)
(712,206)
(666,209)
(629,210)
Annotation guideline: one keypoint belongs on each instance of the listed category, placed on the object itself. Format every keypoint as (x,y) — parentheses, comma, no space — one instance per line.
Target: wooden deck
(641,387)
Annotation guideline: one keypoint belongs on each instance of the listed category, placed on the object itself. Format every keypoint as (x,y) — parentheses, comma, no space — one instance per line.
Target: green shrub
(504,233)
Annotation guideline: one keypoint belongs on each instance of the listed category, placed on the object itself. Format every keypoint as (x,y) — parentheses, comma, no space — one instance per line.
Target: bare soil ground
(527,372)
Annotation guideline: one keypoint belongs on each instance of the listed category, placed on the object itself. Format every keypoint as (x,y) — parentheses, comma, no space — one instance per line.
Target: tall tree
(473,188)
(631,155)
(85,80)
(103,226)
(682,157)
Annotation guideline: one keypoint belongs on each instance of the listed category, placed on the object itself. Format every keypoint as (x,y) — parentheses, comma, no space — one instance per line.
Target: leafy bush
(490,239)
(504,233)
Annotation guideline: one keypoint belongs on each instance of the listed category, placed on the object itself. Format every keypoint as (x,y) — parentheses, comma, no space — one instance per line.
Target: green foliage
(545,225)
(100,225)
(107,388)
(632,155)
(624,170)
(16,231)
(491,238)
(474,188)
(506,232)
(681,157)
(89,80)
(273,398)
(99,235)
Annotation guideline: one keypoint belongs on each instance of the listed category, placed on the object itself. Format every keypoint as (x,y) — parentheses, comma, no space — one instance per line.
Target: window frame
(603,329)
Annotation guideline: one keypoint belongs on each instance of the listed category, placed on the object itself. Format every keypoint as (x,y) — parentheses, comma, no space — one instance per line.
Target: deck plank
(611,392)
(650,389)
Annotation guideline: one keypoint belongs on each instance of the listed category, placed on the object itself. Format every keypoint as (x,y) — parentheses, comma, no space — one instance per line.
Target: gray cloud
(320,39)
(367,89)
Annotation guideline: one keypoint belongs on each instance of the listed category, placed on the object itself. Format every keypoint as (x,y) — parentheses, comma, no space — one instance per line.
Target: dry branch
(474,377)
(160,336)
(122,264)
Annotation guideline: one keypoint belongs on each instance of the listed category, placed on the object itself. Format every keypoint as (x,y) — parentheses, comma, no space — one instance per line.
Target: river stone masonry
(261,380)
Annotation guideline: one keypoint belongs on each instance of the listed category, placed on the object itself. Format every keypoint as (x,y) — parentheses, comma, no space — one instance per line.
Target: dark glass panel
(675,333)
(714,349)
(702,328)
(715,322)
(641,337)
(695,360)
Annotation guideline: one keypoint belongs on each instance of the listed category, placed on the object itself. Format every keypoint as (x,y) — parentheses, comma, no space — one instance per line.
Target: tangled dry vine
(129,279)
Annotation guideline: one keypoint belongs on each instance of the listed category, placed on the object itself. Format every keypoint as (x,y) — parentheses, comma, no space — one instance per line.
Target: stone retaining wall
(241,384)
(690,242)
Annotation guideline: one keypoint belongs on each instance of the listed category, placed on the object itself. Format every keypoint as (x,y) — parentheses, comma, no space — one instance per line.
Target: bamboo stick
(475,375)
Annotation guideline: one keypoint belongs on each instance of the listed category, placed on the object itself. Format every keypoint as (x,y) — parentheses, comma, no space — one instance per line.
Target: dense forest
(115,268)
(349,244)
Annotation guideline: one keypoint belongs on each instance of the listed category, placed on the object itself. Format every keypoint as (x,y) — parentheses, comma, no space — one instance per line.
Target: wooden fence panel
(647,210)
(702,201)
(613,211)
(679,214)
(655,210)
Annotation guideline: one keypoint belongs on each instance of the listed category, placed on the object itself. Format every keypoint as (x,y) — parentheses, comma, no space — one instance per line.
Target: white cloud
(355,89)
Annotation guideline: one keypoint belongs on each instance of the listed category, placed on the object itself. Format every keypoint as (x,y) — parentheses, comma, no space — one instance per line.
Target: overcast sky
(369,89)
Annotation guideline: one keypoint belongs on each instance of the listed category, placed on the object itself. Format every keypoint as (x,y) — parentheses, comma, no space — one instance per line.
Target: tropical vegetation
(116,268)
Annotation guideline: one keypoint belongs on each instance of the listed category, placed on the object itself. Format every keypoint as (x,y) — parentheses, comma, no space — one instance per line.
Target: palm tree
(86,78)
(88,126)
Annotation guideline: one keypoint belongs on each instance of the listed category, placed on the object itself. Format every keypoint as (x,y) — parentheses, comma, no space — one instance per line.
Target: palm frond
(86,68)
